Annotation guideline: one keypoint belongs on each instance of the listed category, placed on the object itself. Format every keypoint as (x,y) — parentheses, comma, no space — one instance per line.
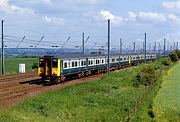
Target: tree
(178,53)
(174,57)
(146,76)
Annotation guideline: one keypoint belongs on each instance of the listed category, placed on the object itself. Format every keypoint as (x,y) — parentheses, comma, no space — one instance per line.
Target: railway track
(16,88)
(12,87)
(13,77)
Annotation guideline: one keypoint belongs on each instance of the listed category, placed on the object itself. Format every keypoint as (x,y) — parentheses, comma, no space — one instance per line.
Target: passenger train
(58,68)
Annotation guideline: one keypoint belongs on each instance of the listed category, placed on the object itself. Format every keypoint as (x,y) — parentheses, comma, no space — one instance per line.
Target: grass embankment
(12,64)
(107,99)
(166,105)
(145,112)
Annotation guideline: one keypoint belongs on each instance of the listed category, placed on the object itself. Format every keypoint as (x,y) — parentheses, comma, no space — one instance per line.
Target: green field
(107,99)
(166,105)
(12,64)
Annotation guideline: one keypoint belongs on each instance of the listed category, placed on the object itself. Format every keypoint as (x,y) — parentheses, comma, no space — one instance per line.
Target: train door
(55,67)
(129,59)
(48,66)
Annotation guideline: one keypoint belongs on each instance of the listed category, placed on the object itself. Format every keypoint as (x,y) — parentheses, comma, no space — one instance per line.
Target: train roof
(70,56)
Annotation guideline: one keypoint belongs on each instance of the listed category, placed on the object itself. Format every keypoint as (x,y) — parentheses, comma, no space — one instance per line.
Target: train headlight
(54,72)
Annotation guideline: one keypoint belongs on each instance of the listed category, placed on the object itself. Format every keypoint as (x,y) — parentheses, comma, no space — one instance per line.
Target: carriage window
(134,58)
(65,65)
(113,60)
(121,59)
(102,61)
(96,61)
(76,64)
(82,63)
(41,62)
(55,63)
(73,64)
(91,62)
(124,58)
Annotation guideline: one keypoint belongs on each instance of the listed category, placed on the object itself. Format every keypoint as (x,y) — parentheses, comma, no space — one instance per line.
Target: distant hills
(55,51)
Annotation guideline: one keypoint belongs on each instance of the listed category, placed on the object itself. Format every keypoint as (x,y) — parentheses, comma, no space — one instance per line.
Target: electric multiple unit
(56,69)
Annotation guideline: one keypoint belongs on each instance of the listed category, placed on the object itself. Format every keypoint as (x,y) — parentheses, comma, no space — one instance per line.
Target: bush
(146,76)
(35,66)
(174,57)
(178,53)
(166,61)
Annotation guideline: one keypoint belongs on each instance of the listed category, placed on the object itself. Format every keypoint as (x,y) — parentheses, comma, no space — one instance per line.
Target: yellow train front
(49,68)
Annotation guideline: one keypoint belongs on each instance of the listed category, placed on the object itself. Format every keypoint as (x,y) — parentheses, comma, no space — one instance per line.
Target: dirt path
(16,91)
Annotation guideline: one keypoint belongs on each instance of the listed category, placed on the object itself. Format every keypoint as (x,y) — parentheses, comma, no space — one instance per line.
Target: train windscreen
(41,62)
(55,63)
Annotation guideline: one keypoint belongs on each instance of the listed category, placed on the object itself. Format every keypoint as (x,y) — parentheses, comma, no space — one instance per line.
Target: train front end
(49,68)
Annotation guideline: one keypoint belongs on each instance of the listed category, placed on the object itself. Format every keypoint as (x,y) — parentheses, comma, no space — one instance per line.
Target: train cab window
(55,63)
(65,65)
(41,62)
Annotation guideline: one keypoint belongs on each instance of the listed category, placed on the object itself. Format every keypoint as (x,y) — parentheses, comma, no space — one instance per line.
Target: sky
(62,22)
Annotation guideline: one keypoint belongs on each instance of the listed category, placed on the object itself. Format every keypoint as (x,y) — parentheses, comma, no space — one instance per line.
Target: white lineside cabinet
(22,68)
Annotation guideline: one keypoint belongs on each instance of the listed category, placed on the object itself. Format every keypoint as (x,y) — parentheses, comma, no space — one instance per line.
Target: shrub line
(147,90)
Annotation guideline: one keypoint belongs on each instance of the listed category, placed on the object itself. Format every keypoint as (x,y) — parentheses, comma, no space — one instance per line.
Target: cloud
(6,7)
(151,17)
(54,20)
(92,2)
(172,6)
(116,20)
(131,17)
(146,17)
(174,18)
(47,1)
